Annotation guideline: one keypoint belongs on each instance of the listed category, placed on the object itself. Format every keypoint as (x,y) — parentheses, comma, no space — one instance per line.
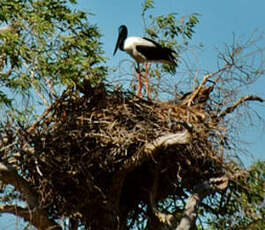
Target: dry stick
(44,114)
(41,96)
(49,83)
(35,124)
(47,111)
(205,78)
(231,108)
(34,87)
(15,210)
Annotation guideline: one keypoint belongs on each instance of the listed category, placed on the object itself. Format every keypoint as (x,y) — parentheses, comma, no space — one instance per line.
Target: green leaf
(148,4)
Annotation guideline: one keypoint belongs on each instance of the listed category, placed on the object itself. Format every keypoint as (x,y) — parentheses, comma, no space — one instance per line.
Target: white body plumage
(130,45)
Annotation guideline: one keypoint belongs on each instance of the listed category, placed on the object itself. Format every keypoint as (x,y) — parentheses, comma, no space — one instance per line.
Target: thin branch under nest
(97,155)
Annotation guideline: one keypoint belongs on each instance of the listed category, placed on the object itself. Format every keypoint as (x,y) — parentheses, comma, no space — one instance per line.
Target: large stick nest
(87,156)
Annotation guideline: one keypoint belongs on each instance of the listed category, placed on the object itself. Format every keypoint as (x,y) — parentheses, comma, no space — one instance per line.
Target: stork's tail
(170,55)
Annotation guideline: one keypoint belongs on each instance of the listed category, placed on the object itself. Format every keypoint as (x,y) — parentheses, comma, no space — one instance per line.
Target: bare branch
(41,96)
(36,215)
(200,191)
(205,78)
(170,139)
(10,176)
(168,221)
(167,140)
(230,109)
(47,111)
(16,210)
(49,84)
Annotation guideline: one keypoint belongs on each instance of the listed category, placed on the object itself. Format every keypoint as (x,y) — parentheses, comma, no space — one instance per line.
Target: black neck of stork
(123,33)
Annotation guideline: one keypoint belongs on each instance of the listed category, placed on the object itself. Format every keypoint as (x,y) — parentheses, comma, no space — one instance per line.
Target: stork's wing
(157,53)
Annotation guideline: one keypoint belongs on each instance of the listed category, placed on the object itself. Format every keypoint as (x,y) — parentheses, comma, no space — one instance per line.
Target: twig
(16,210)
(44,114)
(231,108)
(41,96)
(205,78)
(49,83)
(33,86)
(47,111)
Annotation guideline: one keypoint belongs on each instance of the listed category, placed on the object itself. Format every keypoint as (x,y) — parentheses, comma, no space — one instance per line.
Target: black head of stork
(123,33)
(143,50)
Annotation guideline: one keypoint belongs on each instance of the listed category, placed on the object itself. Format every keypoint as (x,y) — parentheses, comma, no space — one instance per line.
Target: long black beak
(118,43)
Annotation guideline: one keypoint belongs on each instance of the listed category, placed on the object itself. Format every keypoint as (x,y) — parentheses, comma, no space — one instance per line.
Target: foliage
(242,206)
(45,47)
(167,27)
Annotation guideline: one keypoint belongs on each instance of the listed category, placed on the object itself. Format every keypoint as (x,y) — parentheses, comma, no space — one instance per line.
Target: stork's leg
(139,84)
(146,80)
(139,80)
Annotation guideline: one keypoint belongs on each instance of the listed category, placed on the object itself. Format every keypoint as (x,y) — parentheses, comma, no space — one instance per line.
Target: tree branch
(180,138)
(48,110)
(205,78)
(170,139)
(200,191)
(162,220)
(169,221)
(231,108)
(9,175)
(36,215)
(50,86)
(16,210)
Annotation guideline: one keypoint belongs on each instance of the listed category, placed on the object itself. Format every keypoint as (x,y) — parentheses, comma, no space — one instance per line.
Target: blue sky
(218,21)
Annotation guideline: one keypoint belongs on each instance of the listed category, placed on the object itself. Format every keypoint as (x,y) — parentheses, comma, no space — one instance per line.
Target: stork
(143,50)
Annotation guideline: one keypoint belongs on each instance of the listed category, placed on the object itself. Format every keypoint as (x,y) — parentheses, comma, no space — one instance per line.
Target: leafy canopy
(242,206)
(46,45)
